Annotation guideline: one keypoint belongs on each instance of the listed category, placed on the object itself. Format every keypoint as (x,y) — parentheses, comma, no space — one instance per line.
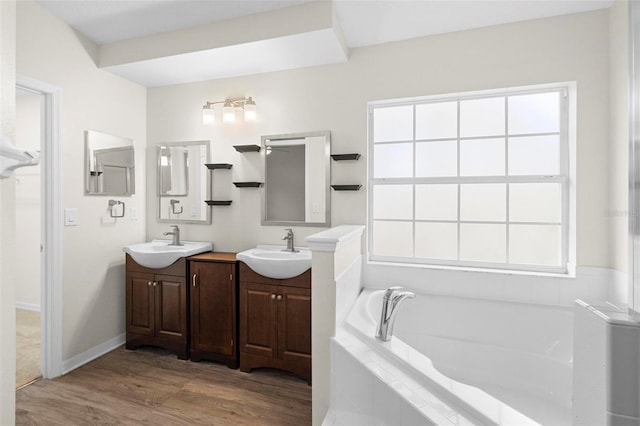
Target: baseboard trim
(93,353)
(28,306)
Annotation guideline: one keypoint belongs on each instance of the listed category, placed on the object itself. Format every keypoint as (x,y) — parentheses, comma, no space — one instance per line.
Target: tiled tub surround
(594,285)
(453,360)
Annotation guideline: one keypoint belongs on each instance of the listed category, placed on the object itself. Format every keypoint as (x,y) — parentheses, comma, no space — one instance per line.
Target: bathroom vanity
(156,306)
(214,306)
(275,322)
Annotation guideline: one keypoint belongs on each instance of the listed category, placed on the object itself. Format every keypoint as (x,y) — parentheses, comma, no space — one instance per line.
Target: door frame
(51,219)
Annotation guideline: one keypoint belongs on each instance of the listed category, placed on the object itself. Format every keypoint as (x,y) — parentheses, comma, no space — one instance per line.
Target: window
(473,179)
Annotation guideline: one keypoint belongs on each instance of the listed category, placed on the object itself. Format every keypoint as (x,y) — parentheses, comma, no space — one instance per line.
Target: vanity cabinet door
(294,324)
(258,319)
(171,304)
(140,304)
(213,307)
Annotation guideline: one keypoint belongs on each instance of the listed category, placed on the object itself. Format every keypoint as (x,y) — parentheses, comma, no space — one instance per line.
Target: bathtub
(453,360)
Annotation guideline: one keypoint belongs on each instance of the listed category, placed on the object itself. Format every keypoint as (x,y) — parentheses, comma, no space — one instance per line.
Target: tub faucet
(289,237)
(176,236)
(392,298)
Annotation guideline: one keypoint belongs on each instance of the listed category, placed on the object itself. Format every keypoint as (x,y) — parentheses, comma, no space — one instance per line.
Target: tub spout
(393,297)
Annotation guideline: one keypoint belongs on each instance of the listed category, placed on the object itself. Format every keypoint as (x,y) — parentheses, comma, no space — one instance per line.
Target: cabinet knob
(193,279)
(155,283)
(149,283)
(273,296)
(279,297)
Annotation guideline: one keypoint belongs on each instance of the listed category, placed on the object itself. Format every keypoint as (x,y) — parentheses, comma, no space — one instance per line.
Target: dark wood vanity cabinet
(213,301)
(275,322)
(156,307)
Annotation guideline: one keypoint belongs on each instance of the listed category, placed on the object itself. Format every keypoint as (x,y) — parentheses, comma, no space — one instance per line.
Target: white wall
(27,204)
(93,262)
(619,146)
(334,97)
(7,215)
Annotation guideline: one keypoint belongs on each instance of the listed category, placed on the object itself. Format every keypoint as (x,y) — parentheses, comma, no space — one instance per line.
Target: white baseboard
(28,306)
(93,353)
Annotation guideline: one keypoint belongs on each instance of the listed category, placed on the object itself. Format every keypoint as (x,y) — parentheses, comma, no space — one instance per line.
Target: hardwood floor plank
(151,386)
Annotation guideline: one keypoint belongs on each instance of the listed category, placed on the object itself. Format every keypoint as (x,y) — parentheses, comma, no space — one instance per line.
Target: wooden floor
(151,386)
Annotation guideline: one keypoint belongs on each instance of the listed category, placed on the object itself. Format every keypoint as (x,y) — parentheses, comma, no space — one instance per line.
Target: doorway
(39,193)
(28,226)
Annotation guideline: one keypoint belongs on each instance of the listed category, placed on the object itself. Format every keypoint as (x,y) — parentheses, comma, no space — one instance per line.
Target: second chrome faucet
(289,238)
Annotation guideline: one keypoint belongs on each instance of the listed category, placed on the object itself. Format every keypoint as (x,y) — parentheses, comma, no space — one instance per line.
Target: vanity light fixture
(230,107)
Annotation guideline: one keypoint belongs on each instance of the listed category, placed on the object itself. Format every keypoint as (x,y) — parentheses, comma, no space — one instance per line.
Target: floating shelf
(247,148)
(346,187)
(218,202)
(342,157)
(216,166)
(247,184)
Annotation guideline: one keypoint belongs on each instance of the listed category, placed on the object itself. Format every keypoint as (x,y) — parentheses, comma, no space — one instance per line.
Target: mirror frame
(327,164)
(131,174)
(207,144)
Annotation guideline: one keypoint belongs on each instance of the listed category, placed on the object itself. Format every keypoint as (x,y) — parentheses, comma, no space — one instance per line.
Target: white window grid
(562,178)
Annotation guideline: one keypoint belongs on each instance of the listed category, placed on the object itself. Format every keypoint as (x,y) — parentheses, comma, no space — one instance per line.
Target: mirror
(109,164)
(183,182)
(297,178)
(174,170)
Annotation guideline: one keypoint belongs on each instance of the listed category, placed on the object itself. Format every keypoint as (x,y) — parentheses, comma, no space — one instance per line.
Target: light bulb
(250,113)
(228,113)
(208,115)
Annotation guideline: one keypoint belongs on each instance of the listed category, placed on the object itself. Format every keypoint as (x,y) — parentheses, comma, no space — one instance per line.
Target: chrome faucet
(176,236)
(390,302)
(289,237)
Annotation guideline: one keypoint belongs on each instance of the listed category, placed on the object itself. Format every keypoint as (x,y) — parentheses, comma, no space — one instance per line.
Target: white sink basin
(273,262)
(160,253)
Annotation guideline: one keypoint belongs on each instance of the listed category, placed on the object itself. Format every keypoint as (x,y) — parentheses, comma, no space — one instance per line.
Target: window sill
(570,274)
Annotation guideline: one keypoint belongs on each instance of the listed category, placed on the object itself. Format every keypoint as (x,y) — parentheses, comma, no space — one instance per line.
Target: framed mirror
(297,178)
(183,182)
(109,164)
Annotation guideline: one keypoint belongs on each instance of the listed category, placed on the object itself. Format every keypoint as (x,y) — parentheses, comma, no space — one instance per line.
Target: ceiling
(121,25)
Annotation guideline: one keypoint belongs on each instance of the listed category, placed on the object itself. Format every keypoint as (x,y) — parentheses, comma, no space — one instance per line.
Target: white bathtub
(453,361)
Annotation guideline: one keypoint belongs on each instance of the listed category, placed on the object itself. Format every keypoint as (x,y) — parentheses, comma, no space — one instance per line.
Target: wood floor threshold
(152,386)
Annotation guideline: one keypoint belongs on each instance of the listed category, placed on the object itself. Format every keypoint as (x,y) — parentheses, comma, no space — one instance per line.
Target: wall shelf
(247,184)
(218,202)
(217,166)
(346,187)
(247,148)
(212,167)
(343,157)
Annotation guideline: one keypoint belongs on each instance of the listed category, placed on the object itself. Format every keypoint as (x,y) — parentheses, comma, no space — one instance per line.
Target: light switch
(71,217)
(134,213)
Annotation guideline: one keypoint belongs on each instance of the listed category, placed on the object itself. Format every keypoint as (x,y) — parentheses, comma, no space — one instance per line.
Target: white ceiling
(363,23)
